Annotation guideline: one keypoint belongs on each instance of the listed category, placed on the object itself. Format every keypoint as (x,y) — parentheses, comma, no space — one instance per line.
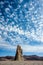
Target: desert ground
(21,62)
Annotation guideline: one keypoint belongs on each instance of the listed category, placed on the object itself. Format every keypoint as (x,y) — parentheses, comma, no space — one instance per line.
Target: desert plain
(21,62)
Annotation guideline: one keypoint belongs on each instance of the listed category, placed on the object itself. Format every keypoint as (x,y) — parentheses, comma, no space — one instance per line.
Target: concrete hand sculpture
(18,55)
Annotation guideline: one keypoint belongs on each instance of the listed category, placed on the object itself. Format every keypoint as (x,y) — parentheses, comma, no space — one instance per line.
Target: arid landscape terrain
(29,60)
(20,59)
(21,62)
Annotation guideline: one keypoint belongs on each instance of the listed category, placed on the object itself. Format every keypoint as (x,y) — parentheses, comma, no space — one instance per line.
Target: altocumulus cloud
(22,25)
(26,48)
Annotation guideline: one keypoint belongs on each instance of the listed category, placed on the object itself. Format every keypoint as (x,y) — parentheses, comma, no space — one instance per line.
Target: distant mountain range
(32,57)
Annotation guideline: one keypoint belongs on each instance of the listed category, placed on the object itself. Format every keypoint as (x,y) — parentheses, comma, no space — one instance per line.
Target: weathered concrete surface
(19,55)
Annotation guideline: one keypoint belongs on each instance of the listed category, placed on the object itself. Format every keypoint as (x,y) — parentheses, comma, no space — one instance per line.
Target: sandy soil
(21,62)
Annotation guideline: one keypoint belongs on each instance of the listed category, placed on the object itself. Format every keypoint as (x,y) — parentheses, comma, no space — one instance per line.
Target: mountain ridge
(29,57)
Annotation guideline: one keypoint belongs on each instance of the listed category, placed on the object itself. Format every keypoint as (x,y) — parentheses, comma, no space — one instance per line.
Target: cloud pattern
(21,22)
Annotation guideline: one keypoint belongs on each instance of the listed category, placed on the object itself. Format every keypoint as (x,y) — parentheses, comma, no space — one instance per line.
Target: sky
(21,23)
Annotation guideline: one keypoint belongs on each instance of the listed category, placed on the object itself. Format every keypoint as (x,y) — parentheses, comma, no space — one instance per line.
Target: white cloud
(31,3)
(21,1)
(0,13)
(35,35)
(37,19)
(7,10)
(25,5)
(26,48)
(0,32)
(1,2)
(31,8)
(29,48)
(27,34)
(33,18)
(35,12)
(9,6)
(6,45)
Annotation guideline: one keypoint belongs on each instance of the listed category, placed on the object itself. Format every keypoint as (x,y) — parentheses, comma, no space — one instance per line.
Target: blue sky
(21,22)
